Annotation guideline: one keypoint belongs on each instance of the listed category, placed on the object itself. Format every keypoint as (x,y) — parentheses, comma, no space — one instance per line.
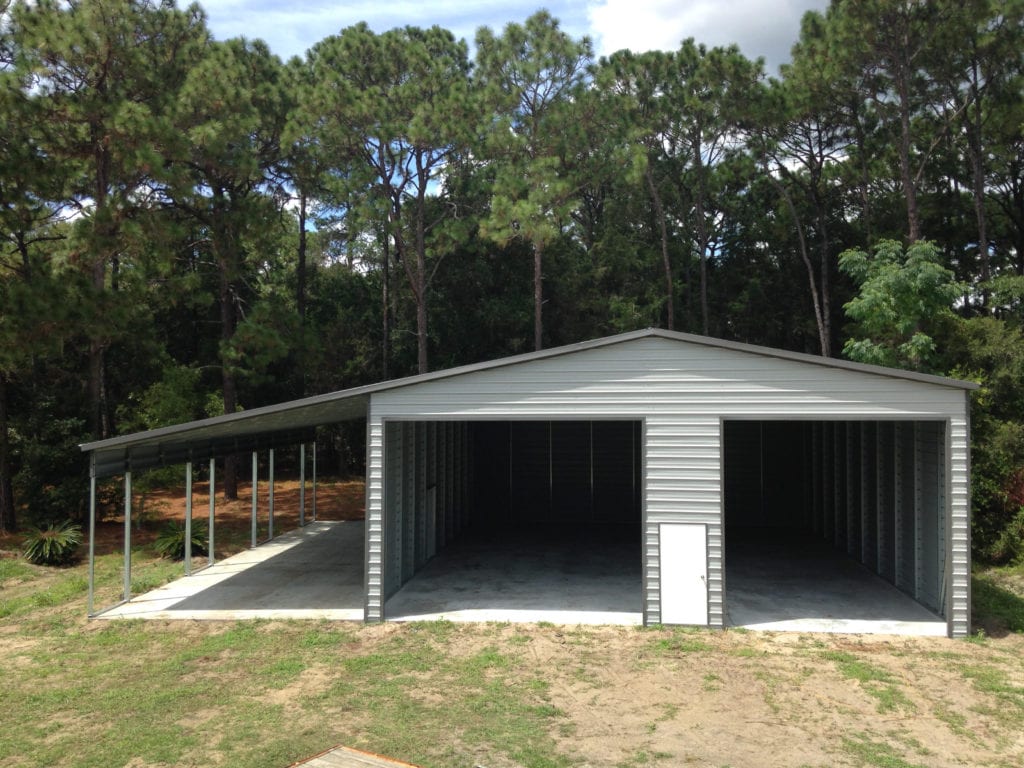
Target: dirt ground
(335,500)
(629,697)
(778,699)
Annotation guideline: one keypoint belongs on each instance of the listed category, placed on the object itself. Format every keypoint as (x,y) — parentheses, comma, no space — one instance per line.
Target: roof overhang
(273,426)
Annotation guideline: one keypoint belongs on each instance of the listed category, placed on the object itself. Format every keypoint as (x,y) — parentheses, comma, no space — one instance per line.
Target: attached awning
(258,429)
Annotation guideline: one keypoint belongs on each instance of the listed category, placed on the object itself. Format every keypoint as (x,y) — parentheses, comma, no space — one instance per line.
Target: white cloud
(292,29)
(765,28)
(760,27)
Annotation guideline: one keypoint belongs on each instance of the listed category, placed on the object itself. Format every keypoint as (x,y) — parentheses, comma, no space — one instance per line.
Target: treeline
(193,226)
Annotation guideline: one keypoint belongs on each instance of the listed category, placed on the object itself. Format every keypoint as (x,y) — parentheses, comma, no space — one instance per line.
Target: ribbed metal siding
(959,534)
(374,586)
(682,391)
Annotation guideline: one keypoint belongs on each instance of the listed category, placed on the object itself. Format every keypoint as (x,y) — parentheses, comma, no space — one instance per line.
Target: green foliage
(52,481)
(175,398)
(153,272)
(904,297)
(170,542)
(991,352)
(56,544)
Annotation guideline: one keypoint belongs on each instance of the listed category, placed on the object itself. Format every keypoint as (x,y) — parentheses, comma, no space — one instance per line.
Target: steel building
(676,446)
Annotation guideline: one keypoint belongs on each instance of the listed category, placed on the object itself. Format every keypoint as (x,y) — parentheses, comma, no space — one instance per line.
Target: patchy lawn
(95,693)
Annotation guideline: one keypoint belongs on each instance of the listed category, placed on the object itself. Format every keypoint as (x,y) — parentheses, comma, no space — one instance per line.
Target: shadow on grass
(995,609)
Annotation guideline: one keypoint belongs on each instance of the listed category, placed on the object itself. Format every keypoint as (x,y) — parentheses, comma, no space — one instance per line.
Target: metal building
(674,441)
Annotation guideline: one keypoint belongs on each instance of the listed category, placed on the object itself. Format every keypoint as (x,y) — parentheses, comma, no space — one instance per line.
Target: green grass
(876,682)
(680,640)
(13,568)
(138,688)
(992,601)
(869,752)
(993,680)
(94,693)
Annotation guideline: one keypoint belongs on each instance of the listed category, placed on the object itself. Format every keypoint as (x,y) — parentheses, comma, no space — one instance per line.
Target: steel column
(188,518)
(255,481)
(92,531)
(302,484)
(270,486)
(127,535)
(213,504)
(314,481)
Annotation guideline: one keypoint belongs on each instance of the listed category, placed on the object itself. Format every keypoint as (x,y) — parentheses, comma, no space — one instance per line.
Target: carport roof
(294,421)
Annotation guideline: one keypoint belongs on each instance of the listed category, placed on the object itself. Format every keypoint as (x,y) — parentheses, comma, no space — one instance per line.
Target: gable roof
(294,421)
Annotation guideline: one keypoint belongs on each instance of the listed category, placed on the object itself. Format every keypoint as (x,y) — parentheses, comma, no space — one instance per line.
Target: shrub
(56,544)
(171,540)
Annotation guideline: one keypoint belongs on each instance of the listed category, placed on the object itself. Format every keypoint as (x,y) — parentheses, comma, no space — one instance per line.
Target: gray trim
(645,617)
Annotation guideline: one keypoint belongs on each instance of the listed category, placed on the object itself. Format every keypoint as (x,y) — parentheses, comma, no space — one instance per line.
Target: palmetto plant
(171,541)
(56,544)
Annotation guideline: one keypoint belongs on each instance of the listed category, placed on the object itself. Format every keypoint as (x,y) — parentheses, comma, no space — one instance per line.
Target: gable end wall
(681,392)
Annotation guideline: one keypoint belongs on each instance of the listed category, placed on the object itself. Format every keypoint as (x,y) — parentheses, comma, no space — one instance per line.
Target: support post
(127,535)
(188,518)
(314,481)
(270,526)
(302,485)
(92,532)
(213,504)
(255,480)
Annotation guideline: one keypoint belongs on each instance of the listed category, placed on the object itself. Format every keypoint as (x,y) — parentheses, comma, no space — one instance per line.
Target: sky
(766,28)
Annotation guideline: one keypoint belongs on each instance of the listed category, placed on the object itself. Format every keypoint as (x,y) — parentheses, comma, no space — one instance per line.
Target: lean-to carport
(260,429)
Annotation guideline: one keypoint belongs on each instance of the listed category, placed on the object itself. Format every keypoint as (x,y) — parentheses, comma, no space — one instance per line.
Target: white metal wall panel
(651,570)
(655,375)
(682,391)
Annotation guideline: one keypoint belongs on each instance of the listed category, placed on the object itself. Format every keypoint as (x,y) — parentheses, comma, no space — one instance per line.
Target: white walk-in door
(684,573)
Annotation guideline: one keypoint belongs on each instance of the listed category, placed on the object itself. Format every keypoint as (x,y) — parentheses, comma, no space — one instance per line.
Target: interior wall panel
(885,493)
(906,575)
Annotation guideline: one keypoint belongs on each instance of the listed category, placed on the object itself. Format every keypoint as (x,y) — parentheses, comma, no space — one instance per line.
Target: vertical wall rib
(959,538)
(375,489)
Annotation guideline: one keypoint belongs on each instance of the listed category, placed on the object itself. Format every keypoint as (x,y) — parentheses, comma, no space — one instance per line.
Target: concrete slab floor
(523,579)
(800,584)
(314,572)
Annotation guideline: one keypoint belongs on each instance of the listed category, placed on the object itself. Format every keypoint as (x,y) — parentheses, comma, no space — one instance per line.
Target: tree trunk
(418,277)
(103,237)
(8,518)
(229,386)
(702,236)
(300,289)
(385,300)
(823,339)
(538,297)
(670,309)
(864,185)
(906,175)
(420,294)
(824,264)
(300,268)
(973,130)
